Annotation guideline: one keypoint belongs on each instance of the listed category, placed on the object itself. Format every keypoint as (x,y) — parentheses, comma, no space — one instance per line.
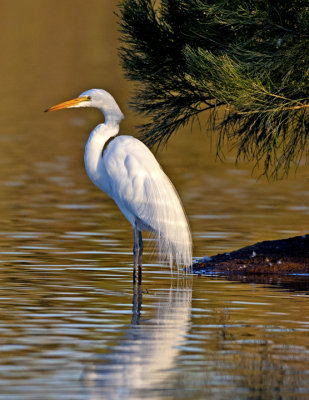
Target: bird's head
(97,98)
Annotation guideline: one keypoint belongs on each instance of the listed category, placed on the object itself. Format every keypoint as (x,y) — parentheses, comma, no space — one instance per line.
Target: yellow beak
(69,103)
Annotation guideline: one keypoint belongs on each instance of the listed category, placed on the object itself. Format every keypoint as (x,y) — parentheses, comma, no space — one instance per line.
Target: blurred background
(66,249)
(54,51)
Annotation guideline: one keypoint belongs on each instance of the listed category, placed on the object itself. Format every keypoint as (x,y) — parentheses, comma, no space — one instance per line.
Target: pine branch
(251,58)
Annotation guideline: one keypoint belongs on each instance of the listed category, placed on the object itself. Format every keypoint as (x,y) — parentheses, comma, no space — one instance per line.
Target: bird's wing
(146,195)
(131,168)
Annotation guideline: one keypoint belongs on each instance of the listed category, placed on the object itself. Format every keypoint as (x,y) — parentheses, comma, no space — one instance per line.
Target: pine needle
(249,58)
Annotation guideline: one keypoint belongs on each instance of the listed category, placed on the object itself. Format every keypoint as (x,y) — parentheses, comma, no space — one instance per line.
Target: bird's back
(147,197)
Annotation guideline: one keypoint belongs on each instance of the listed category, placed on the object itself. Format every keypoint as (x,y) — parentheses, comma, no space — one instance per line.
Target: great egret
(125,169)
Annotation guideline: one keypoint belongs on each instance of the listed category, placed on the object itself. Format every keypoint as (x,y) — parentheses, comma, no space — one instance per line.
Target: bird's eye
(88,98)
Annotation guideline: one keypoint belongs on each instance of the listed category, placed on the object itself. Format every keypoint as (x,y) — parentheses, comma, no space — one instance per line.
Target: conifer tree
(247,59)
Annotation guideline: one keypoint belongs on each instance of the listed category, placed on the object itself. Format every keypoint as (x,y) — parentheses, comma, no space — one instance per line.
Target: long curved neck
(95,144)
(98,137)
(112,113)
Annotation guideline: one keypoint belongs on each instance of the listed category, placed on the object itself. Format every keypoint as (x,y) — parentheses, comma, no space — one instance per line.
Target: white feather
(147,197)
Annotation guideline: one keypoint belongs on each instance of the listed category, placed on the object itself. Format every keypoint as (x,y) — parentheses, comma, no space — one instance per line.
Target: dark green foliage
(249,59)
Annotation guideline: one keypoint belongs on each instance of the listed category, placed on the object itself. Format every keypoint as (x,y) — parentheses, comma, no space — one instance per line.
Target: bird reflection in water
(137,297)
(144,358)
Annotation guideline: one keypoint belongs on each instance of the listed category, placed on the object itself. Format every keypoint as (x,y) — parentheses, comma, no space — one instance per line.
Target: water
(72,332)
(71,324)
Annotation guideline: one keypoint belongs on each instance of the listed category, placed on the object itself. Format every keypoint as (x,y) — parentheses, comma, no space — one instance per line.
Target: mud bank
(280,257)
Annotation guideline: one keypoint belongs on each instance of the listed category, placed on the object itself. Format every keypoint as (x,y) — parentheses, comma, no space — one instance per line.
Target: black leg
(139,275)
(137,255)
(141,247)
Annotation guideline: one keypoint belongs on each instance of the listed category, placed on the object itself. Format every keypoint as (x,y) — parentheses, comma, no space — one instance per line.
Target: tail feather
(164,215)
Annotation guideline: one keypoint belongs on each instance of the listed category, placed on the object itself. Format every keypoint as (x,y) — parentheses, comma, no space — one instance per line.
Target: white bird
(125,169)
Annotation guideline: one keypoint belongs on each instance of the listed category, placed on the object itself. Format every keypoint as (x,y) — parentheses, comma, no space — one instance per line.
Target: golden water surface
(71,326)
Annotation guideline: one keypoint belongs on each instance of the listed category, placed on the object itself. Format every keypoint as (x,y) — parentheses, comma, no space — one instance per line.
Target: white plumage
(125,169)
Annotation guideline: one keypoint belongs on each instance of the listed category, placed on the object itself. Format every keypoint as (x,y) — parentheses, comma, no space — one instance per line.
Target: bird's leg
(139,276)
(141,247)
(137,254)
